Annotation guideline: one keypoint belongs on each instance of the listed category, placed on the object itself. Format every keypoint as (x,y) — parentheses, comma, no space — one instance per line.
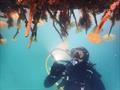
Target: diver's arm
(55,74)
(51,80)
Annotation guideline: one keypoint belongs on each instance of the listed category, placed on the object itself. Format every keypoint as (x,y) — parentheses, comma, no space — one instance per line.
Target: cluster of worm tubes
(60,12)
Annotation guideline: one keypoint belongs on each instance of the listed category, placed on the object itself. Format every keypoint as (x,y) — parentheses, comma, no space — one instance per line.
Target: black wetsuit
(82,75)
(76,76)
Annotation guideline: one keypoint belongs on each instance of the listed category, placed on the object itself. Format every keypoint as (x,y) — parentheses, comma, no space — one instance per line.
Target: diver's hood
(80,53)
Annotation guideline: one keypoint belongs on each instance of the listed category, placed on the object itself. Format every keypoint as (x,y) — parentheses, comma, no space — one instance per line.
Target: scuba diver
(77,74)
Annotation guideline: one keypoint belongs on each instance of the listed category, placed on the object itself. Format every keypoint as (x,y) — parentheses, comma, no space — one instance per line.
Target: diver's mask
(79,54)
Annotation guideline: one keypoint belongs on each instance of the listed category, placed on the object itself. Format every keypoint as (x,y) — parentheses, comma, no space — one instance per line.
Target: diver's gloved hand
(57,69)
(50,81)
(55,74)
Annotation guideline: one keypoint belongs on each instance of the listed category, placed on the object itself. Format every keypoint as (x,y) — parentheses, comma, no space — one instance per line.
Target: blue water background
(24,69)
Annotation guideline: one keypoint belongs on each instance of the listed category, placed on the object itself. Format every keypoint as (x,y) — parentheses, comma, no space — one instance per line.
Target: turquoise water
(24,69)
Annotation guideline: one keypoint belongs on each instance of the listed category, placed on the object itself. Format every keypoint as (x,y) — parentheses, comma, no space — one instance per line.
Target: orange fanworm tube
(32,7)
(107,15)
(104,19)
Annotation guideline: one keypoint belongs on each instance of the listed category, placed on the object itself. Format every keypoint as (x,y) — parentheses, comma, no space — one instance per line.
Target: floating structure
(60,12)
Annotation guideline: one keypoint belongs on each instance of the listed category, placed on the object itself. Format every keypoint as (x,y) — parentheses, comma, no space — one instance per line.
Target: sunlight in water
(61,52)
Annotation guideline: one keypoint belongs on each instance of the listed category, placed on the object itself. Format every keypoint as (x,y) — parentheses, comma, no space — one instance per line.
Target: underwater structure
(60,11)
